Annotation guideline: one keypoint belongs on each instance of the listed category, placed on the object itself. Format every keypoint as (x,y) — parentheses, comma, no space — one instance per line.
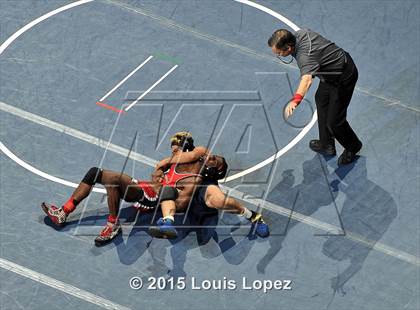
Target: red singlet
(172,177)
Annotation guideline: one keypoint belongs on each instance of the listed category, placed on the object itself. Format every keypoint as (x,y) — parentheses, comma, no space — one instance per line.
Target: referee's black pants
(332,99)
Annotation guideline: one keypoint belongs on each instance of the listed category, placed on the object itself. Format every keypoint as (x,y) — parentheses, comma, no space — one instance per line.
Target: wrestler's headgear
(183,139)
(215,173)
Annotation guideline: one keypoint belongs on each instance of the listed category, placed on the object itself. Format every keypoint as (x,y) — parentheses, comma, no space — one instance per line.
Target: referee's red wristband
(297,98)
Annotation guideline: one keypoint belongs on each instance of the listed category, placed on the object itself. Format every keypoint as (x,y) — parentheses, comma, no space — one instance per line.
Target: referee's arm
(304,85)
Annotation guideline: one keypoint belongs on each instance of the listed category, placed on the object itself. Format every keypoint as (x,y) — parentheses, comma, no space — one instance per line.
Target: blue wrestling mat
(78,80)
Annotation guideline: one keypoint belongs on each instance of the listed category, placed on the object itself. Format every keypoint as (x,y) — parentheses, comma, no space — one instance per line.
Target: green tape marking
(168,58)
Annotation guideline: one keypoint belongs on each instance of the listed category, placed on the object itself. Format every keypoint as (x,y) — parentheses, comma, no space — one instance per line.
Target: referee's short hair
(282,39)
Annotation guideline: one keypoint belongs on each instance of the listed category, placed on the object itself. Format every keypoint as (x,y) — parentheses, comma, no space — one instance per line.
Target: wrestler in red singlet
(172,177)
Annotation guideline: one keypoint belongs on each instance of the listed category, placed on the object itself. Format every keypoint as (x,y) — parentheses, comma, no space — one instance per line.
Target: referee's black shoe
(316,146)
(348,156)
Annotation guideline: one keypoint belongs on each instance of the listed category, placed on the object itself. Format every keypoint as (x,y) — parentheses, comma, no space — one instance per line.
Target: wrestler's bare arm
(183,158)
(157,176)
(163,165)
(189,157)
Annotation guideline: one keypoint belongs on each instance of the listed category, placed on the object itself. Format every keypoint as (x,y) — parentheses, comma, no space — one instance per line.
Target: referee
(317,56)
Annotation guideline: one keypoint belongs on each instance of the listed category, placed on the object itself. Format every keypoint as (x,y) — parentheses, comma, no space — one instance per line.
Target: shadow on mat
(211,240)
(368,211)
(305,198)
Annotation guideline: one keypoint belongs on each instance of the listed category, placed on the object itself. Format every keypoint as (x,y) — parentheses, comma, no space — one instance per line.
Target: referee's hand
(289,109)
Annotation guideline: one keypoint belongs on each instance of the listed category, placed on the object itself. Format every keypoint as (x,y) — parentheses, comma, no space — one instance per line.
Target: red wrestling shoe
(56,215)
(109,232)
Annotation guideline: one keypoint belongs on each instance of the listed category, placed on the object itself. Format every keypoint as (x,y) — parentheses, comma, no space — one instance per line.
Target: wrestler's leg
(164,226)
(215,198)
(59,215)
(167,196)
(84,188)
(168,208)
(117,186)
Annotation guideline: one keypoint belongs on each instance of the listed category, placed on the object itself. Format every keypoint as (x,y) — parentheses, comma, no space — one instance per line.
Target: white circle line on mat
(260,165)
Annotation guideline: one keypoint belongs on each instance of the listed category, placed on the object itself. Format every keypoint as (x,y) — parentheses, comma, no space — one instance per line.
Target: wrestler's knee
(93,176)
(168,193)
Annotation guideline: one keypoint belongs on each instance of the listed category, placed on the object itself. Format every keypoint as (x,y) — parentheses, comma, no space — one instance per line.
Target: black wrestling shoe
(348,157)
(316,146)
